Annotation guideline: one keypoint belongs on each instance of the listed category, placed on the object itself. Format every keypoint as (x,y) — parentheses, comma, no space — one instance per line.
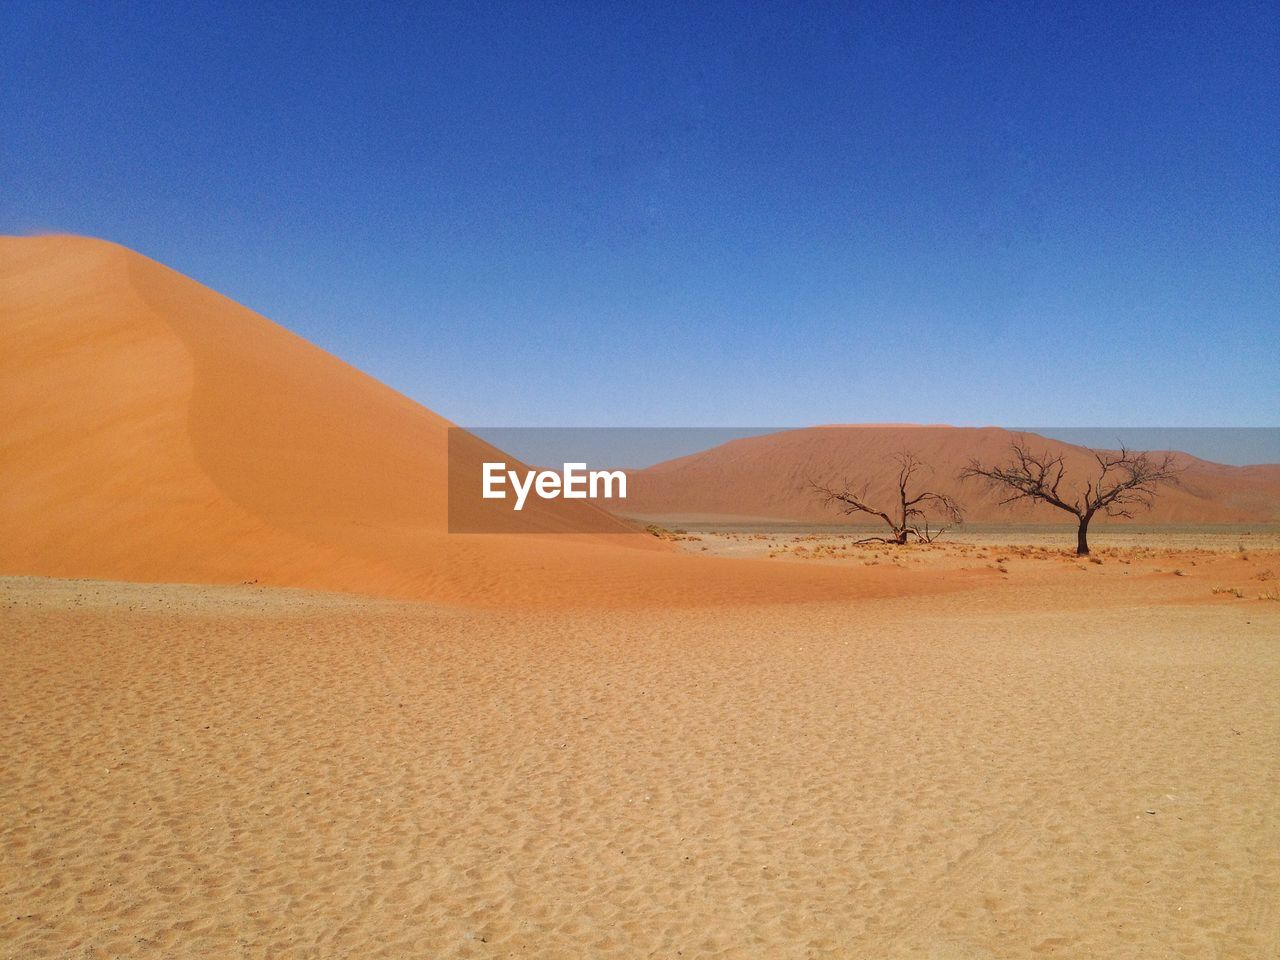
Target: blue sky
(598,214)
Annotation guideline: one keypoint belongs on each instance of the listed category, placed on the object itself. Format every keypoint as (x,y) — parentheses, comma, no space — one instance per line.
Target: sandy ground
(1253,555)
(1068,759)
(736,537)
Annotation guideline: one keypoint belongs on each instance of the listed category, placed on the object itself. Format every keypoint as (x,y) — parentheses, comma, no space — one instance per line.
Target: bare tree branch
(911,517)
(1126,480)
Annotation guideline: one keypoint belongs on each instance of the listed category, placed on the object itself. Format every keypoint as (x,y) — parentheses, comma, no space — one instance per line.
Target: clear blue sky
(560,214)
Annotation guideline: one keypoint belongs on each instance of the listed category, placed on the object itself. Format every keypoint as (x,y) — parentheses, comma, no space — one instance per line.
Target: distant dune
(154,430)
(767,477)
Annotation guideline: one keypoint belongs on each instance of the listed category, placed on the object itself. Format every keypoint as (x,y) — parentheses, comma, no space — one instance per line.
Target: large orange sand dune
(156,431)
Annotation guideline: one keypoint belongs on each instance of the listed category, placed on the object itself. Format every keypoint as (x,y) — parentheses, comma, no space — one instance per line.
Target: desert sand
(573,739)
(1068,759)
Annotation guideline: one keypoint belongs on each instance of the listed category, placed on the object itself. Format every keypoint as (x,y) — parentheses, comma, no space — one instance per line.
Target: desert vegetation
(910,516)
(1125,481)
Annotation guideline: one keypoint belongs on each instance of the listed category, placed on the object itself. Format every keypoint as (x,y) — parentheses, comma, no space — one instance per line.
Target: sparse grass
(662,533)
(1233,591)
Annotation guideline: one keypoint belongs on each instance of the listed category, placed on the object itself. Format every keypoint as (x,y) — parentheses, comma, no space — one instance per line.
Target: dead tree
(1125,481)
(909,517)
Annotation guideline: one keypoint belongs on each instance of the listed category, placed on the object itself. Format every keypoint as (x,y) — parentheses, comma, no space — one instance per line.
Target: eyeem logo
(574,483)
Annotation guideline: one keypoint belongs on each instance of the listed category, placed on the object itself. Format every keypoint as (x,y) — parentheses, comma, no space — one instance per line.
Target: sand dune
(766,477)
(156,431)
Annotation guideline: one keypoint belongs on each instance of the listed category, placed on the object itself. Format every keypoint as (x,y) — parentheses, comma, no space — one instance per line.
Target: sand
(1071,759)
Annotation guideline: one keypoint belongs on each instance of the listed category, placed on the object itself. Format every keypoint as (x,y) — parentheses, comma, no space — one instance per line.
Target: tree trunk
(1082,535)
